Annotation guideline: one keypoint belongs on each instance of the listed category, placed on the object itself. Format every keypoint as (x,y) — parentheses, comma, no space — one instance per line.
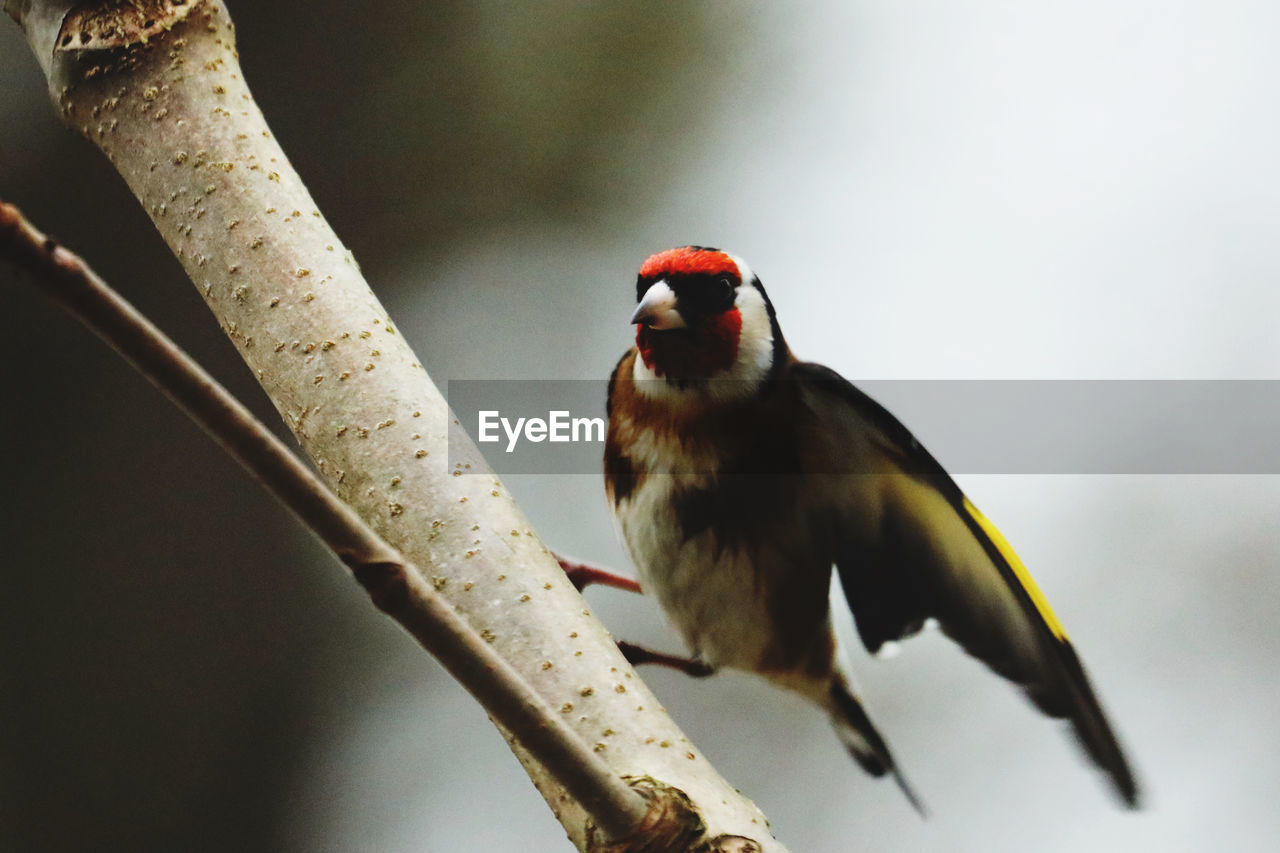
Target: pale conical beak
(657,309)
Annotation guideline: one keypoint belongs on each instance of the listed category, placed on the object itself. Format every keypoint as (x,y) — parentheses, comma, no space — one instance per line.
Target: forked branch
(164,97)
(395,586)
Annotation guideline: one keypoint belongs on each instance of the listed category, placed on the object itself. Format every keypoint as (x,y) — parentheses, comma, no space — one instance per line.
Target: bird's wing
(913,547)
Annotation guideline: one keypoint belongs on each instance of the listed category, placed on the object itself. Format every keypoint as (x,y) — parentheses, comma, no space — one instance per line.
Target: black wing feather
(894,584)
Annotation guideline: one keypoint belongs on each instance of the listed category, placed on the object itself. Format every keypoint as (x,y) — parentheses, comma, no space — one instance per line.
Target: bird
(741,477)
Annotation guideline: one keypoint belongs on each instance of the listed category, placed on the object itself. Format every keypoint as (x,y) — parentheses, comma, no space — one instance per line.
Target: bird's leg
(637,655)
(582,575)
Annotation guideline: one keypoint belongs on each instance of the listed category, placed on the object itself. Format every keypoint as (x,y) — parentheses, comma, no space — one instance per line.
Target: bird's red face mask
(687,326)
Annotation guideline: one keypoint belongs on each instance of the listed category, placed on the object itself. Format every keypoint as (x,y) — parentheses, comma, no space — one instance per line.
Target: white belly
(710,595)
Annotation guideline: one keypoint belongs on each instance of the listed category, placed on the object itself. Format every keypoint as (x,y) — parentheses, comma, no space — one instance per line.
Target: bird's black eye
(726,287)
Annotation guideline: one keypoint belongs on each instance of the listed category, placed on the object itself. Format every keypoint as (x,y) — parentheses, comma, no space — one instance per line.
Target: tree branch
(164,97)
(396,587)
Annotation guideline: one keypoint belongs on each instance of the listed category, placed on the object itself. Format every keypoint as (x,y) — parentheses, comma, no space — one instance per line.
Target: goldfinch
(740,475)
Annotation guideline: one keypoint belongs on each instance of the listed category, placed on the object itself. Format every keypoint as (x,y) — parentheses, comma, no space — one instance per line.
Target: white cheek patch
(755,342)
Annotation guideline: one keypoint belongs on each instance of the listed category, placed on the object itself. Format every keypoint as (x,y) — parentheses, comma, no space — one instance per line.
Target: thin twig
(583,575)
(396,586)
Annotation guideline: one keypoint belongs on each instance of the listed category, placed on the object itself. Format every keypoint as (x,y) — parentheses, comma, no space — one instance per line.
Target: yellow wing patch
(1019,571)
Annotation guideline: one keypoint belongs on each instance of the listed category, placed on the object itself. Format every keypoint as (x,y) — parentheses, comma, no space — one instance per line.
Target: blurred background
(945,191)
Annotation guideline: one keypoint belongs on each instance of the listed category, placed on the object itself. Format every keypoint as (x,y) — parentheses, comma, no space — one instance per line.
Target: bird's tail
(859,736)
